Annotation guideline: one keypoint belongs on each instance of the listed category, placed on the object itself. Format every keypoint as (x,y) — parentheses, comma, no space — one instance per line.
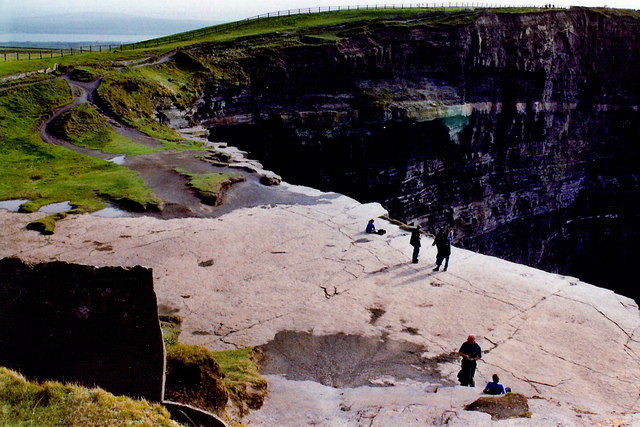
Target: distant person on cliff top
(371,228)
(494,387)
(415,242)
(470,352)
(443,243)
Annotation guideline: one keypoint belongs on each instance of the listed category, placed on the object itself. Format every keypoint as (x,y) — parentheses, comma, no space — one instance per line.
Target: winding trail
(158,169)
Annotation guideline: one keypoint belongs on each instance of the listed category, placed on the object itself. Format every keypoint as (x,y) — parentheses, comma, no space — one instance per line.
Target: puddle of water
(118,160)
(111,212)
(342,361)
(12,205)
(56,207)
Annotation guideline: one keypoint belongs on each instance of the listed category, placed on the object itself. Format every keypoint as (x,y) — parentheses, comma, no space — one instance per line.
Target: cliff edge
(307,278)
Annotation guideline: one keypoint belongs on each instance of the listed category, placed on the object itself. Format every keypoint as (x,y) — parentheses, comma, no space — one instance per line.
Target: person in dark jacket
(470,352)
(415,242)
(443,243)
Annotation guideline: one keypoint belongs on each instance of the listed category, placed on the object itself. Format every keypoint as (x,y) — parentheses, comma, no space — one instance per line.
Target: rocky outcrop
(518,129)
(363,318)
(97,327)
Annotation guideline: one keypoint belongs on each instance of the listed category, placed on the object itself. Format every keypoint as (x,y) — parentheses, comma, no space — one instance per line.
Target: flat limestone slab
(239,279)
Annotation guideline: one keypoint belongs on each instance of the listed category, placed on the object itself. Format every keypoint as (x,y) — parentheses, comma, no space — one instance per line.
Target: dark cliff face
(520,130)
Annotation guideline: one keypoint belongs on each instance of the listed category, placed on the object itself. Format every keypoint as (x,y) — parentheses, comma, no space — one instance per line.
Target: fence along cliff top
(16,54)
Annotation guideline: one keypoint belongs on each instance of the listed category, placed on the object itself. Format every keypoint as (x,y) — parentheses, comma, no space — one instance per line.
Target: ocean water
(62,40)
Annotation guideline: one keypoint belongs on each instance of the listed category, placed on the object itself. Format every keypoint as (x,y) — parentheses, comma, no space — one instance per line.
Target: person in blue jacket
(494,387)
(371,229)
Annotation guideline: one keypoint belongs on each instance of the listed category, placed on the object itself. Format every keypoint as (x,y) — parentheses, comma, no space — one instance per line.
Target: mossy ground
(27,404)
(510,405)
(209,186)
(233,373)
(132,98)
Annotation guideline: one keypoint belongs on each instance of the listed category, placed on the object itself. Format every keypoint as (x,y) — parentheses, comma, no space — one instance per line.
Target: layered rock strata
(518,129)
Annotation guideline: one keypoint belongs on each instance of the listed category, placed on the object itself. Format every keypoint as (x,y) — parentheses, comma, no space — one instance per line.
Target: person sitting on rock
(371,228)
(494,387)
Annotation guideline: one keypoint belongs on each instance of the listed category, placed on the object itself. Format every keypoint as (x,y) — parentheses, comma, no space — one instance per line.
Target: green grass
(47,224)
(44,173)
(28,404)
(132,98)
(209,186)
(85,127)
(313,23)
(106,60)
(247,388)
(239,367)
(183,85)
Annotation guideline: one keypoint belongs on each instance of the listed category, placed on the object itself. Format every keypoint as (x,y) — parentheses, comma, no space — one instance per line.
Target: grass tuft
(210,186)
(46,225)
(27,404)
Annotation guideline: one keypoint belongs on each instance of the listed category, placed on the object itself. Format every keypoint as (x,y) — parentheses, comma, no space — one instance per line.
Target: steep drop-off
(521,130)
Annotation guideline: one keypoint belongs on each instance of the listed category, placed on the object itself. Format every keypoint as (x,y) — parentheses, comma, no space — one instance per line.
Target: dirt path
(80,93)
(158,169)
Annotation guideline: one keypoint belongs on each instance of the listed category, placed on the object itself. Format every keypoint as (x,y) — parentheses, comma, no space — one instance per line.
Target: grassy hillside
(135,94)
(304,23)
(44,173)
(85,127)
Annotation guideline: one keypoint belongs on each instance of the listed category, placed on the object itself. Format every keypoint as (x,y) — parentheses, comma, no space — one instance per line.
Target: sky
(230,10)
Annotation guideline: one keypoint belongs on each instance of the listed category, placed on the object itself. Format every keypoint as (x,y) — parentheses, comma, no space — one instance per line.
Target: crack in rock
(330,294)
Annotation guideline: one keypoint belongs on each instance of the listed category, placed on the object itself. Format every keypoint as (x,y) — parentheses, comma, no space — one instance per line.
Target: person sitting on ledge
(494,387)
(371,228)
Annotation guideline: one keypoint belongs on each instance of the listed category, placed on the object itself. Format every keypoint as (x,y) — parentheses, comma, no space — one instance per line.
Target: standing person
(443,243)
(415,242)
(470,352)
